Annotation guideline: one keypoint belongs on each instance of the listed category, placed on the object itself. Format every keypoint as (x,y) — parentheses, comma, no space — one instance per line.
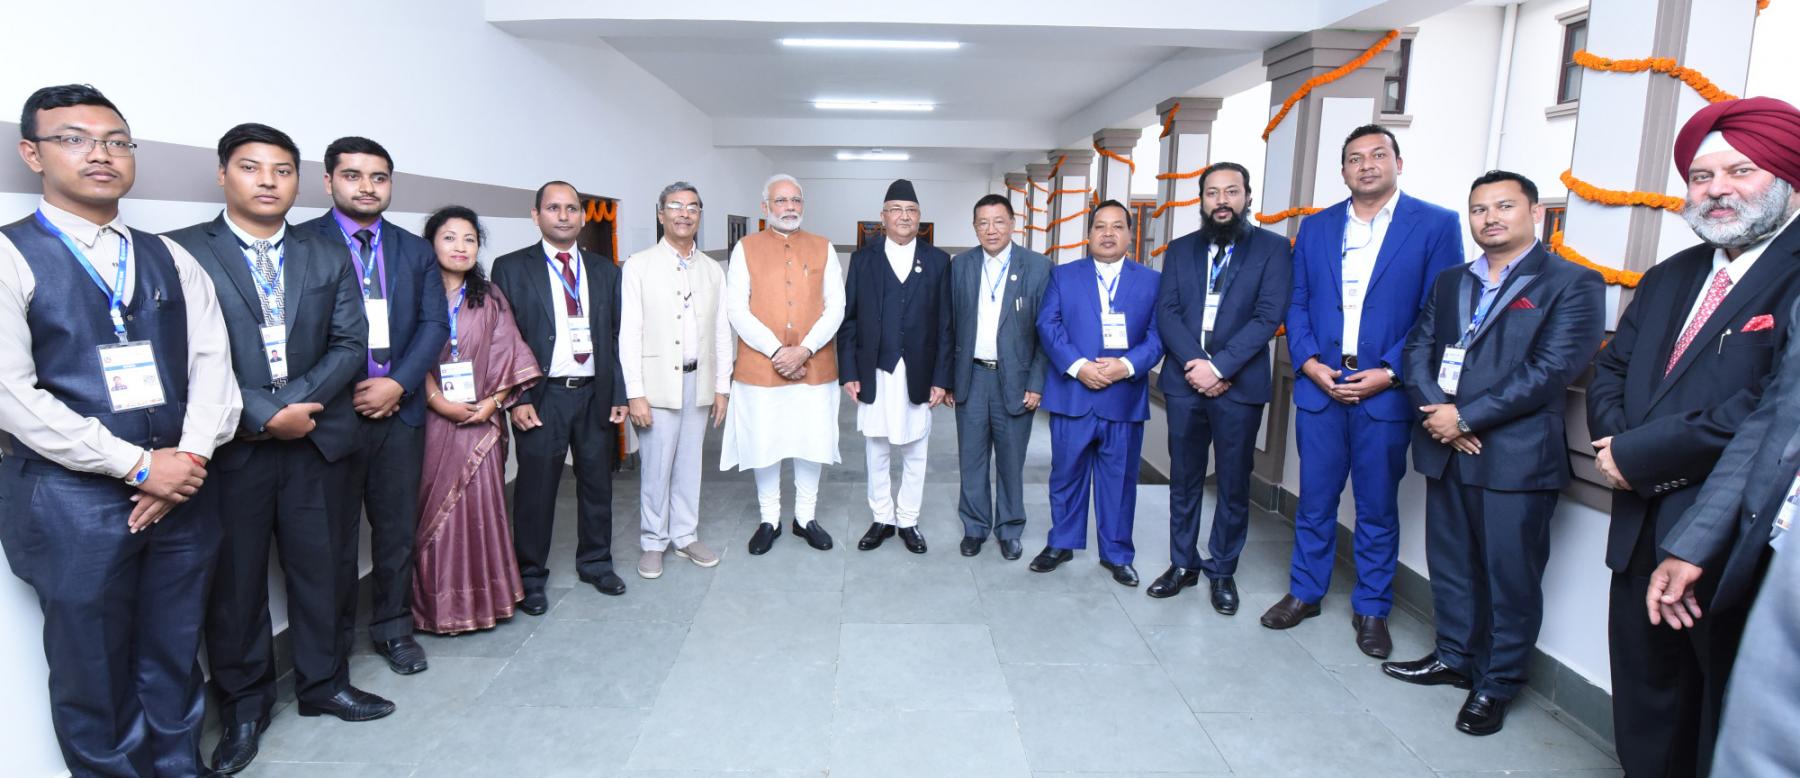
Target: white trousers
(806,491)
(903,508)
(669,452)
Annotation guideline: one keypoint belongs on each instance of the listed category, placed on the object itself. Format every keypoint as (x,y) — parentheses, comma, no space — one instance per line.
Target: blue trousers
(1090,451)
(122,615)
(1195,423)
(1341,442)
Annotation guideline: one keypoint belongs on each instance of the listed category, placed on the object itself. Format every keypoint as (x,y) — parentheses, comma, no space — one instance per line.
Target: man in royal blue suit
(1097,324)
(1362,269)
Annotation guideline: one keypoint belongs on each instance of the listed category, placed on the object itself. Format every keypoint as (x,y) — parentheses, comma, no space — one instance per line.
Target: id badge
(1212,311)
(1450,369)
(581,339)
(274,338)
(1112,329)
(132,381)
(377,311)
(457,380)
(1353,293)
(1784,519)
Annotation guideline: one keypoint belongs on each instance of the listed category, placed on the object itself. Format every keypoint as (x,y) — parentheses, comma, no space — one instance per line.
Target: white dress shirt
(1735,269)
(277,251)
(1106,277)
(1361,245)
(988,302)
(899,257)
(562,356)
(40,421)
(631,324)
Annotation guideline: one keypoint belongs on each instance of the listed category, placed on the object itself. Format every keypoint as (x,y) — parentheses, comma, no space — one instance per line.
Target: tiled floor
(883,663)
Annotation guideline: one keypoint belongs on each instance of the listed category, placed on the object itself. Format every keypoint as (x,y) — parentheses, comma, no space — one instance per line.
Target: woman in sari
(467,576)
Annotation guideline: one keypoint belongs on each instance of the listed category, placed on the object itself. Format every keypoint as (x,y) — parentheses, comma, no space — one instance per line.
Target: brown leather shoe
(1288,612)
(1372,635)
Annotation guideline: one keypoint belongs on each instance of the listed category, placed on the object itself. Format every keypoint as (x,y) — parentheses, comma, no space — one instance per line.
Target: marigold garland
(1061,192)
(1117,157)
(1156,214)
(1016,189)
(1075,245)
(1040,187)
(1665,65)
(1594,194)
(1271,218)
(1169,119)
(1326,78)
(1195,173)
(1612,275)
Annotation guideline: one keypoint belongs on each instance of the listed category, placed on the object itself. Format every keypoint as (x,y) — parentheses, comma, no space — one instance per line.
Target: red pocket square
(1521,304)
(1757,323)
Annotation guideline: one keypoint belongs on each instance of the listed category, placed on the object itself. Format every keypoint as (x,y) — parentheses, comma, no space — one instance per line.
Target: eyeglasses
(901,210)
(675,208)
(782,202)
(78,144)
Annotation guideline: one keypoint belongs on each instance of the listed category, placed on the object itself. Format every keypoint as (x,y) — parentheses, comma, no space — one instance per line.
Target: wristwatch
(1393,377)
(1462,426)
(142,473)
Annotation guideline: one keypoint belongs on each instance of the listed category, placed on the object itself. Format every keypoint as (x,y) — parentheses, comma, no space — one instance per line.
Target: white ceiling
(1029,77)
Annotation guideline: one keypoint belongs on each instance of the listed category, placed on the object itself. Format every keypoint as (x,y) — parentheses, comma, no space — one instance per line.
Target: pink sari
(467,576)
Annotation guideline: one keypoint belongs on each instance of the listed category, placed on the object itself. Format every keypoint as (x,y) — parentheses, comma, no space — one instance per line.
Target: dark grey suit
(991,418)
(1757,736)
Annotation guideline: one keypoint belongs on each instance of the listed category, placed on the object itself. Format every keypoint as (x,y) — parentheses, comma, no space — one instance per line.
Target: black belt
(1350,362)
(570,383)
(990,364)
(690,367)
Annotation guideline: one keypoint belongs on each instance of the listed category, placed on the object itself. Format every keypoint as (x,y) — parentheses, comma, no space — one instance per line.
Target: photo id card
(377,311)
(1212,311)
(1450,369)
(1112,330)
(274,338)
(581,339)
(132,381)
(457,380)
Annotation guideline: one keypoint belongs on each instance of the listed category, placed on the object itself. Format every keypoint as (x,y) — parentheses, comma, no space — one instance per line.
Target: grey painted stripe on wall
(173,171)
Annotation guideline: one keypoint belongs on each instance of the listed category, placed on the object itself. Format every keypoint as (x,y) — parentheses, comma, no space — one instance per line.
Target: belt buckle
(1350,361)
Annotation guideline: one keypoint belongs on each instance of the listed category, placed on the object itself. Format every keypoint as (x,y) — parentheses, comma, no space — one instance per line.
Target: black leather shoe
(971,546)
(913,538)
(1050,558)
(237,747)
(1288,612)
(1125,574)
(1481,714)
(607,583)
(403,654)
(1372,635)
(1011,549)
(765,536)
(349,704)
(1172,581)
(1426,672)
(1224,595)
(535,603)
(814,534)
(871,540)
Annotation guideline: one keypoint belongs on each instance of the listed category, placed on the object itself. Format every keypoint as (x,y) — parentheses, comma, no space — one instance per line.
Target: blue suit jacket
(1422,241)
(418,318)
(1254,288)
(1069,327)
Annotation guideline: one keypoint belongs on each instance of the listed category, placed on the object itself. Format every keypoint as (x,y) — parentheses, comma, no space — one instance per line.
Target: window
(1393,87)
(1554,218)
(1568,85)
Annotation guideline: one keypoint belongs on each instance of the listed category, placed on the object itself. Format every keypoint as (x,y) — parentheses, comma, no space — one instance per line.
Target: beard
(1223,233)
(785,223)
(1754,219)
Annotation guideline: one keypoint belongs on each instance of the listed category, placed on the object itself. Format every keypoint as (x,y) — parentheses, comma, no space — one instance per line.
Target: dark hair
(474,281)
(1363,132)
(354,144)
(1110,204)
(539,202)
(1497,176)
(252,132)
(64,96)
(993,199)
(1218,166)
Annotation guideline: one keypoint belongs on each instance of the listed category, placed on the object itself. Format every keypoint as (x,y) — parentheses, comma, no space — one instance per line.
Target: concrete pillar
(1037,206)
(1070,189)
(1186,147)
(1302,167)
(1018,189)
(1112,181)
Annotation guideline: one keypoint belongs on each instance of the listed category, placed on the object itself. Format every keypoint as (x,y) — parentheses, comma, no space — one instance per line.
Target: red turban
(1764,129)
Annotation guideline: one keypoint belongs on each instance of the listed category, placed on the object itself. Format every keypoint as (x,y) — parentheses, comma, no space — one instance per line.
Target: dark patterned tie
(371,283)
(273,290)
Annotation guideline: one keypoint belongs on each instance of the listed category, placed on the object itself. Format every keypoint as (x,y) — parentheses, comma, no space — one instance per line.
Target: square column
(1037,206)
(1186,148)
(1302,166)
(1069,184)
(1018,190)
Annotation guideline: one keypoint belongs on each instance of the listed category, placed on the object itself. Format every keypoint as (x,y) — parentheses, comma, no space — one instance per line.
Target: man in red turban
(1671,407)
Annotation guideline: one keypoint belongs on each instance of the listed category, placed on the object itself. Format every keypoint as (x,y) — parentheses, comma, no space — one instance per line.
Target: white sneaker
(698,553)
(650,564)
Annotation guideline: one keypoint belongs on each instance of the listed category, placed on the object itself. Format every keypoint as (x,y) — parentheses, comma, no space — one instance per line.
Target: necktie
(274,308)
(371,289)
(570,304)
(1715,294)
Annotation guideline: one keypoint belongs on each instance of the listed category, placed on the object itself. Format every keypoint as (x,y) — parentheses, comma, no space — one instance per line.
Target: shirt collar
(1386,209)
(245,238)
(1481,266)
(350,227)
(670,247)
(1000,258)
(897,249)
(83,231)
(1110,270)
(1736,268)
(550,251)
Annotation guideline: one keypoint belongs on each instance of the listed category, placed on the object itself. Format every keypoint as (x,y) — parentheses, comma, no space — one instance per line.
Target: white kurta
(766,424)
(893,415)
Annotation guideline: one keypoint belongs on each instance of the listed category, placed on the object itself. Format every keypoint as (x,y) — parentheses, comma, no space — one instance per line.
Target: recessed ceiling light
(873,105)
(863,43)
(873,156)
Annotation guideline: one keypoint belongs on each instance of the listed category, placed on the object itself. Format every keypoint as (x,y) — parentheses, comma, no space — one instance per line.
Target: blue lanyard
(461,292)
(1218,269)
(1112,288)
(1344,247)
(574,291)
(269,286)
(1481,313)
(374,254)
(116,294)
(999,279)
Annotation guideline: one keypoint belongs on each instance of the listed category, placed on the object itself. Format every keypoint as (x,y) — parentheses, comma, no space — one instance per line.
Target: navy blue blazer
(1069,328)
(1422,241)
(1255,289)
(1542,331)
(925,325)
(418,319)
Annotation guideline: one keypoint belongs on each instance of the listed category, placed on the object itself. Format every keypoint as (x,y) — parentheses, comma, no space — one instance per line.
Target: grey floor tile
(1319,743)
(500,642)
(538,742)
(753,626)
(739,716)
(589,664)
(1331,640)
(939,667)
(674,597)
(1052,628)
(911,591)
(1107,717)
(1242,667)
(790,565)
(1600,773)
(900,744)
(267,768)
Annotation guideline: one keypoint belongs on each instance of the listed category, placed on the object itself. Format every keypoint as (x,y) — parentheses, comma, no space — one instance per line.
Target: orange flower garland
(1196,172)
(1271,218)
(1594,194)
(1612,275)
(1321,80)
(1116,157)
(1665,65)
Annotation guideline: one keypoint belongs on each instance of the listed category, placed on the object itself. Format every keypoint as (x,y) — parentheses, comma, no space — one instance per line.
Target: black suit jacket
(418,320)
(926,323)
(1539,335)
(1669,432)
(327,334)
(1255,291)
(522,277)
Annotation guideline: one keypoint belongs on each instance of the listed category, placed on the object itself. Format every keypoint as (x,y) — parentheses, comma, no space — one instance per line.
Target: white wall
(457,99)
(1531,144)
